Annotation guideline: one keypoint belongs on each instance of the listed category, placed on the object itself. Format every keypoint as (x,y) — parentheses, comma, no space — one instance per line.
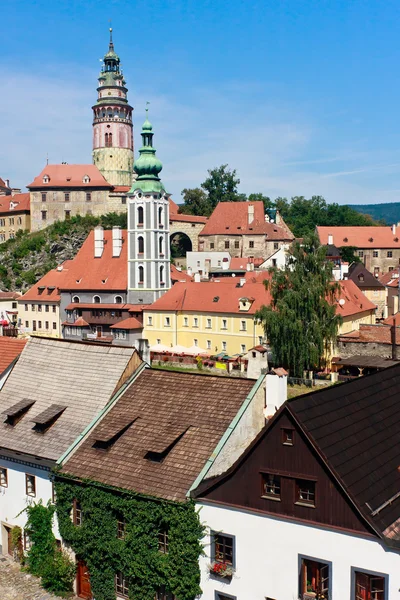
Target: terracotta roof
(376,334)
(231,218)
(360,237)
(43,374)
(187,218)
(212,297)
(130,323)
(88,273)
(10,295)
(194,413)
(15,204)
(10,349)
(395,318)
(241,263)
(65,176)
(47,289)
(356,426)
(362,277)
(390,279)
(78,323)
(350,300)
(177,275)
(121,188)
(173,207)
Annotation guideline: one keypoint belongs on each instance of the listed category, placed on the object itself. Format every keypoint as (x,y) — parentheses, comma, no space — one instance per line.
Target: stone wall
(382,261)
(192,230)
(348,349)
(115,164)
(257,246)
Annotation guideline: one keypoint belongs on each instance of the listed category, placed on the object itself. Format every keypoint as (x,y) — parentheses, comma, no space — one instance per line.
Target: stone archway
(180,244)
(191,229)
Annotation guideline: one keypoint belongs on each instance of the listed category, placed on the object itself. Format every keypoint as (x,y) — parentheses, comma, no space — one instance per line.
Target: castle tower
(148,227)
(112,123)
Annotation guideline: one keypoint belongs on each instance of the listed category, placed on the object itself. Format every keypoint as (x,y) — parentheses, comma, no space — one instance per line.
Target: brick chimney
(250,213)
(116,241)
(98,241)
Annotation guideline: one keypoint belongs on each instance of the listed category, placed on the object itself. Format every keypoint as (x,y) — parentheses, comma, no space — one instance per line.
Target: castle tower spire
(148,226)
(112,122)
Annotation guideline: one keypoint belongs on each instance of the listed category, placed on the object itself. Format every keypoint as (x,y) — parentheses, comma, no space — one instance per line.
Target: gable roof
(379,333)
(69,176)
(231,218)
(193,414)
(47,289)
(10,349)
(390,279)
(362,277)
(15,204)
(360,237)
(350,300)
(80,376)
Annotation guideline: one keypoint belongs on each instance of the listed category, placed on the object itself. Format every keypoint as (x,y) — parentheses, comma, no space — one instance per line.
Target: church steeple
(148,226)
(112,122)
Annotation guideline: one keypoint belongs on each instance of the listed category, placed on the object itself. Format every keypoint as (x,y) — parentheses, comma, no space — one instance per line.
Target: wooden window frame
(321,561)
(370,574)
(270,495)
(77,513)
(389,254)
(121,527)
(124,585)
(302,501)
(214,535)
(88,196)
(285,440)
(3,477)
(163,541)
(31,494)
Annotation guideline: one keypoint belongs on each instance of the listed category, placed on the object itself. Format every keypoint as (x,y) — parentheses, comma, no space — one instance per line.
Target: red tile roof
(187,218)
(241,263)
(390,279)
(69,176)
(351,300)
(121,188)
(15,204)
(78,323)
(173,207)
(394,318)
(360,237)
(130,323)
(10,295)
(10,349)
(177,275)
(231,218)
(377,334)
(47,289)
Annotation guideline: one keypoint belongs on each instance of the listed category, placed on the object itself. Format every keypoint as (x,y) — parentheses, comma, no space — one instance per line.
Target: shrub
(59,573)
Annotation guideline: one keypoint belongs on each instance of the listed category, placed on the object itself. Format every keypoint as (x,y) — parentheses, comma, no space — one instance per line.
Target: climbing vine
(137,555)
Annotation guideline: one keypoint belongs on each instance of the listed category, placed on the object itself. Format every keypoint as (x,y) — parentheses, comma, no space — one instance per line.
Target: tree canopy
(301,322)
(220,186)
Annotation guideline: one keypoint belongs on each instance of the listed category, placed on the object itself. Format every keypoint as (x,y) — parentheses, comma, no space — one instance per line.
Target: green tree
(301,324)
(195,202)
(221,186)
(266,200)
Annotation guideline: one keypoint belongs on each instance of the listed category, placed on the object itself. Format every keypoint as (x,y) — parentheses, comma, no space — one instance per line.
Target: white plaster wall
(267,551)
(13,499)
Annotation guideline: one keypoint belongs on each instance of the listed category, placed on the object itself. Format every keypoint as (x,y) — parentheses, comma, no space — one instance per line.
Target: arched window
(140,244)
(118,299)
(161,275)
(160,214)
(76,299)
(140,215)
(141,274)
(160,245)
(108,138)
(96,299)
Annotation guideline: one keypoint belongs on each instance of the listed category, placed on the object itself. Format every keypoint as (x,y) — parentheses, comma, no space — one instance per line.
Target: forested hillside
(389,212)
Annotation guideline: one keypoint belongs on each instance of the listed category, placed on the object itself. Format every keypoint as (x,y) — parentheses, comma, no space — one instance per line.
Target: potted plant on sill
(221,569)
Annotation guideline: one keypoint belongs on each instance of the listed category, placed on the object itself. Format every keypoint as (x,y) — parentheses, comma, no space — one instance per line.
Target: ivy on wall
(137,555)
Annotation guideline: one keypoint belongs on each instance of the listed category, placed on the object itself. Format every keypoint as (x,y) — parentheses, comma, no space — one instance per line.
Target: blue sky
(300,96)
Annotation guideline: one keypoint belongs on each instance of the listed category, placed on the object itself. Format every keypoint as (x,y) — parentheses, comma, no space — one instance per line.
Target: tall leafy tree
(220,186)
(301,324)
(195,202)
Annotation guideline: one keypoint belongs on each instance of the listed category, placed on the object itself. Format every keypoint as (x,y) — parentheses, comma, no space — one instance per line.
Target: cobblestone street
(15,585)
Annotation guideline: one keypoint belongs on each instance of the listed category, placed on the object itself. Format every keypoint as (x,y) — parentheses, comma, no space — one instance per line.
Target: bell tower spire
(112,122)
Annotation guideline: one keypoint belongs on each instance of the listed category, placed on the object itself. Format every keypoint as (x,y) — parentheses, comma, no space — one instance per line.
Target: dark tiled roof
(356,426)
(362,277)
(180,416)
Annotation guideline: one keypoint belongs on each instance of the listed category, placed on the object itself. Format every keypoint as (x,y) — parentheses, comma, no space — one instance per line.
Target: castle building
(112,123)
(148,227)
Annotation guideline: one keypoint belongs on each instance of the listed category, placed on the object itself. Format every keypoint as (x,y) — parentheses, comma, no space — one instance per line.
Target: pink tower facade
(112,123)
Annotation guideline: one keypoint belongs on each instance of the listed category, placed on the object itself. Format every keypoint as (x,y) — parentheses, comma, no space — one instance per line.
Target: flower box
(221,570)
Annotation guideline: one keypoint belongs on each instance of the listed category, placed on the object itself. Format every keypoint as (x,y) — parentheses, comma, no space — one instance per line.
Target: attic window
(44,420)
(46,179)
(68,178)
(371,239)
(104,281)
(216,298)
(15,413)
(107,435)
(161,446)
(227,227)
(239,227)
(41,289)
(50,288)
(345,239)
(86,179)
(361,277)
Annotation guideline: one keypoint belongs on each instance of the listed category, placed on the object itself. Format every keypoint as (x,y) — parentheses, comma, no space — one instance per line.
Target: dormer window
(46,179)
(86,179)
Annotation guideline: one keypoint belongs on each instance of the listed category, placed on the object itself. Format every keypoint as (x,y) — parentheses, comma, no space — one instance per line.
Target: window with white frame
(243,325)
(120,334)
(224,324)
(150,321)
(185,321)
(195,342)
(242,348)
(195,322)
(167,322)
(209,323)
(3,477)
(208,344)
(118,299)
(96,299)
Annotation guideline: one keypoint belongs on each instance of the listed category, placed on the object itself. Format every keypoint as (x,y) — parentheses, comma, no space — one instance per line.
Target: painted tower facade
(148,227)
(112,123)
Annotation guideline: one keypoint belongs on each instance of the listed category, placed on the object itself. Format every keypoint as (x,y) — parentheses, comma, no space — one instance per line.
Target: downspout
(228,432)
(103,411)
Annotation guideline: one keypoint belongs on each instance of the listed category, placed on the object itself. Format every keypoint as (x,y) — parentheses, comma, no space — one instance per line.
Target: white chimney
(189,270)
(394,229)
(250,213)
(330,240)
(197,277)
(98,241)
(7,183)
(242,281)
(275,391)
(116,241)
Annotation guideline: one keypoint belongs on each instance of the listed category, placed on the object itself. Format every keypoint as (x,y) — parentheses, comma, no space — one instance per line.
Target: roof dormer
(46,179)
(86,179)
(245,304)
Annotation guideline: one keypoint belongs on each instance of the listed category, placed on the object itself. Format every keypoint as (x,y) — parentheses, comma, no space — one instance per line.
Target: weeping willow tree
(301,323)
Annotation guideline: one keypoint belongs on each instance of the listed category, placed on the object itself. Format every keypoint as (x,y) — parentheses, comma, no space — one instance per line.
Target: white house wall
(267,556)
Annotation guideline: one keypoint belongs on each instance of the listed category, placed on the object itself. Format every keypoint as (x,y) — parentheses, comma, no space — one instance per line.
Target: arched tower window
(141,274)
(160,215)
(160,245)
(108,138)
(161,275)
(96,299)
(140,245)
(140,215)
(118,299)
(75,299)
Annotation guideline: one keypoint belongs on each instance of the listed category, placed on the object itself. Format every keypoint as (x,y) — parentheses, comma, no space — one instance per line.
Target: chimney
(367,261)
(275,391)
(98,241)
(330,240)
(393,339)
(394,229)
(250,213)
(242,281)
(116,241)
(7,183)
(197,278)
